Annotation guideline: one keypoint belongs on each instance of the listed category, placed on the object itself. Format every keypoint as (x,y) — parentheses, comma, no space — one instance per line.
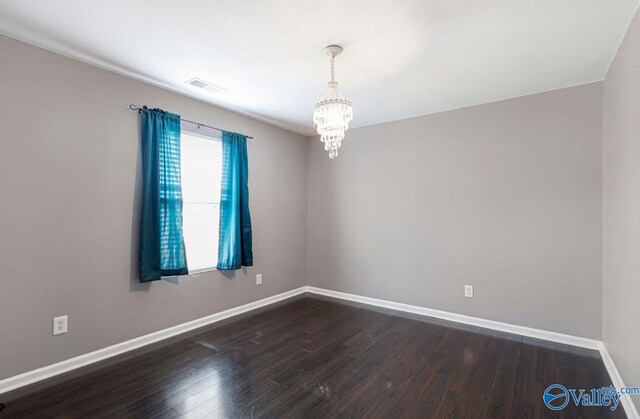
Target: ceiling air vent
(204,85)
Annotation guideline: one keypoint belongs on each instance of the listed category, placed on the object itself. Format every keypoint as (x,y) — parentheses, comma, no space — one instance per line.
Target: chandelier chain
(333,69)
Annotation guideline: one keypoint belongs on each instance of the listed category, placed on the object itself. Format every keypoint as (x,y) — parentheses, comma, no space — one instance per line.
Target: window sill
(198,271)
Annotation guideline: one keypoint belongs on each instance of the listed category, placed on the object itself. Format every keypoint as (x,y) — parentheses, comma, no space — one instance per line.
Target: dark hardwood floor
(313,357)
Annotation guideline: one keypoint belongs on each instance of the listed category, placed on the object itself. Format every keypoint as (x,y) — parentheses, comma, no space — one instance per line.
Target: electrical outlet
(59,325)
(259,279)
(468,291)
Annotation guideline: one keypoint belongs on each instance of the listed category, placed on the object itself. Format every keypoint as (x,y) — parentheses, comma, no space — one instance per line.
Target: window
(201,161)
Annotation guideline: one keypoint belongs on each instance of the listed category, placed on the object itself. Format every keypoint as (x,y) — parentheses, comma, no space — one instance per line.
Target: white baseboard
(626,401)
(459,318)
(616,379)
(49,371)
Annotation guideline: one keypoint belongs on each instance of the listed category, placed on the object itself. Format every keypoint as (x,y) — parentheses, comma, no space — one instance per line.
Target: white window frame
(211,135)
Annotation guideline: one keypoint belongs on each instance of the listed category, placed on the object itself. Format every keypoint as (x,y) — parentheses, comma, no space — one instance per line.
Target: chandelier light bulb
(333,112)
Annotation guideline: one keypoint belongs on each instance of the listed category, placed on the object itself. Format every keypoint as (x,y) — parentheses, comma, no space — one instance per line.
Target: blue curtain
(234,250)
(161,251)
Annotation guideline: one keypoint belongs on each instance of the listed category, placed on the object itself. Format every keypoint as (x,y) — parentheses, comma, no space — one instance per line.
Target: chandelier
(333,112)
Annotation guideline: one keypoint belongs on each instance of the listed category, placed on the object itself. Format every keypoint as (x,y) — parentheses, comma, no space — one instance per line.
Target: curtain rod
(135,108)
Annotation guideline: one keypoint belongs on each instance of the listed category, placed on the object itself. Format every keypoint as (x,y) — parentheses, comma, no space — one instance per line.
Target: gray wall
(505,196)
(621,270)
(69,197)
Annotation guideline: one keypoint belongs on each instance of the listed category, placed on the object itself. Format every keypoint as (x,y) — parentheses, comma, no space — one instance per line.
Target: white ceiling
(401,59)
